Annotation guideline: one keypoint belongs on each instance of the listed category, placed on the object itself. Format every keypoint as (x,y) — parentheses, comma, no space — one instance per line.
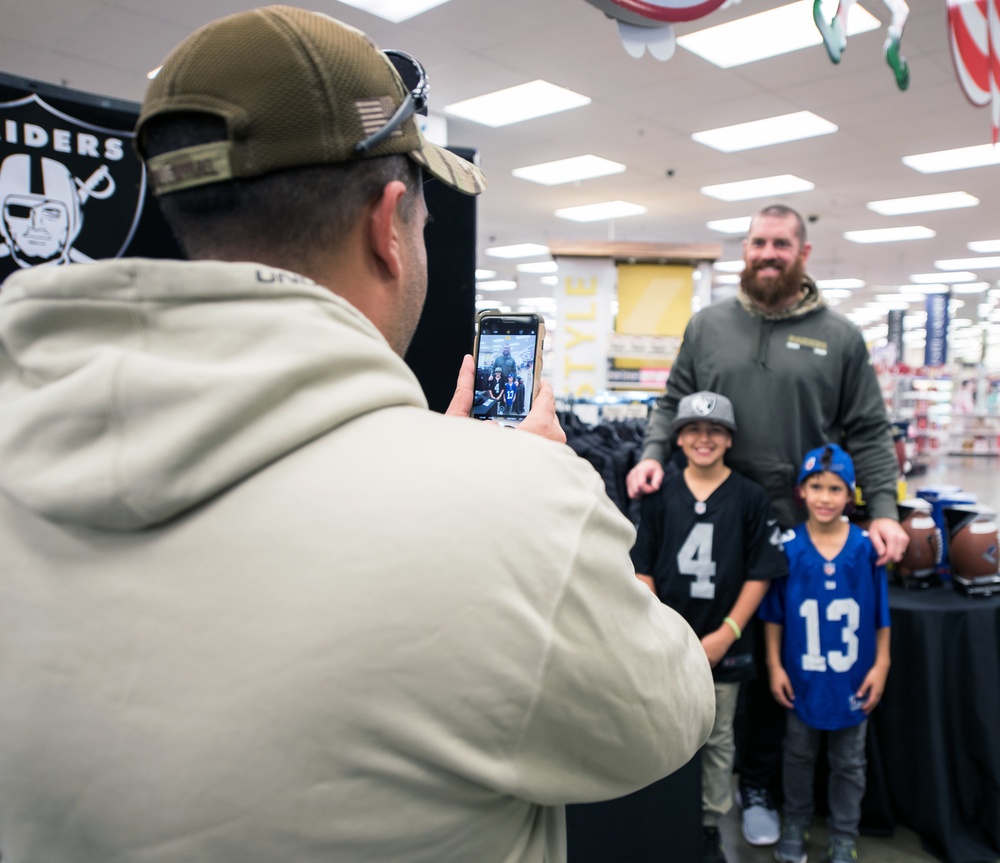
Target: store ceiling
(643,113)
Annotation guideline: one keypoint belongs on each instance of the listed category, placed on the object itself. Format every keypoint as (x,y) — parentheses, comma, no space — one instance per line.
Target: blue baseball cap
(832,458)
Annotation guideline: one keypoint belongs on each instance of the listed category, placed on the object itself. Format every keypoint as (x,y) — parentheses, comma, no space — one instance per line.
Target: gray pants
(717,757)
(846,756)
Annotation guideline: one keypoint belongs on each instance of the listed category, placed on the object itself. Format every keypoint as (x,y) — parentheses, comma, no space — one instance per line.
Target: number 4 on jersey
(695,558)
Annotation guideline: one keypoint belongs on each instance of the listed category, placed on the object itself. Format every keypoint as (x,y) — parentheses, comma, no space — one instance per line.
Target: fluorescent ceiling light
(516,104)
(519,250)
(955,304)
(954,160)
(968,263)
(929,289)
(888,305)
(850,284)
(970,288)
(496,285)
(730,226)
(727,279)
(152,73)
(569,170)
(394,10)
(984,246)
(762,187)
(905,297)
(768,34)
(729,266)
(764,133)
(879,331)
(923,203)
(602,211)
(485,274)
(837,293)
(538,267)
(942,278)
(549,280)
(890,235)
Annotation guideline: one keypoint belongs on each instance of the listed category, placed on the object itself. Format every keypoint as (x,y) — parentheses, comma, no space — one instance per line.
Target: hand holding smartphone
(508,358)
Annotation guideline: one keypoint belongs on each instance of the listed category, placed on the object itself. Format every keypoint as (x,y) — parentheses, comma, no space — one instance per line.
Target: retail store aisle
(979,475)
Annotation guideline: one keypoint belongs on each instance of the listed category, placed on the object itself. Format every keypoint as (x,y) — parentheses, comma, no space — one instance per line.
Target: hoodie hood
(133,390)
(811,300)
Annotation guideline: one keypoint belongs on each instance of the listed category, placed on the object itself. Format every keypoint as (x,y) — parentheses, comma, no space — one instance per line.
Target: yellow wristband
(734,626)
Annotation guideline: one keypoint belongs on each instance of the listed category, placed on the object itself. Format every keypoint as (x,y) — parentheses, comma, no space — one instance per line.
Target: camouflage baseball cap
(294,88)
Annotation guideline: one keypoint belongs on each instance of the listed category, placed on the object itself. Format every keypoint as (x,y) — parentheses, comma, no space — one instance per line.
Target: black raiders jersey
(700,553)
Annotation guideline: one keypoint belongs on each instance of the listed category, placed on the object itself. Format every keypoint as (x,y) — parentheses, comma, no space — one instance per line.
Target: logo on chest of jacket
(799,343)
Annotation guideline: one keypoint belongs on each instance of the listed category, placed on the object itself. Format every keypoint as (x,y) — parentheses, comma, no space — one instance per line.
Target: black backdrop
(128,222)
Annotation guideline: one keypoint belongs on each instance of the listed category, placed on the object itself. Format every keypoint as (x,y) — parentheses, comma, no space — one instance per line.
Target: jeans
(846,755)
(760,753)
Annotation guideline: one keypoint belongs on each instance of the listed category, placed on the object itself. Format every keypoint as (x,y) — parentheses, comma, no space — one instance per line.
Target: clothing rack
(608,431)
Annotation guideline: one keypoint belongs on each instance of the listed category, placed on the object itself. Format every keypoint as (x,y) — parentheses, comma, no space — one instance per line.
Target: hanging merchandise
(834,35)
(974,36)
(645,24)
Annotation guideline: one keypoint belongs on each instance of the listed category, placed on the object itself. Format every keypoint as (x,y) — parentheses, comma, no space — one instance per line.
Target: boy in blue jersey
(707,546)
(827,636)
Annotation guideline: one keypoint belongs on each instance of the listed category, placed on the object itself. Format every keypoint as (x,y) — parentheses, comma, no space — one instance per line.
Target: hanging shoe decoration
(834,33)
(644,25)
(974,35)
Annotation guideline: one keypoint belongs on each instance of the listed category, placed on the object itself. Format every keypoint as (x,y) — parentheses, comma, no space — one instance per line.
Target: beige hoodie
(246,608)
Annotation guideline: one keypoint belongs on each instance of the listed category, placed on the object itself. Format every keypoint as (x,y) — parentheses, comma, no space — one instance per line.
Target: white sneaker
(761,823)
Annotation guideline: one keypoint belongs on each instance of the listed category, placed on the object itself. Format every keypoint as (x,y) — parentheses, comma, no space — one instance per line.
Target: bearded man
(798,375)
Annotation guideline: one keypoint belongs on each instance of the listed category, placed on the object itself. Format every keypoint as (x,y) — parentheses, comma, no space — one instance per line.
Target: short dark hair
(780,211)
(288,216)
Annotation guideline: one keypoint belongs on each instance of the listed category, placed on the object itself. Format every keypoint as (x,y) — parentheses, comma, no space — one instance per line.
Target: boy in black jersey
(708,545)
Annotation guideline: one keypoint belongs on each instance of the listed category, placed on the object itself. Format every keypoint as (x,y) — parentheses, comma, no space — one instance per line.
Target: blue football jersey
(830,611)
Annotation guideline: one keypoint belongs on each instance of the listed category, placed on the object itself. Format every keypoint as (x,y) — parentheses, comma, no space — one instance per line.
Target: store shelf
(975,434)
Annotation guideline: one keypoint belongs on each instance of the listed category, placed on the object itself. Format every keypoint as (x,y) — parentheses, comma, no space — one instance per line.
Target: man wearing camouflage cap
(246,616)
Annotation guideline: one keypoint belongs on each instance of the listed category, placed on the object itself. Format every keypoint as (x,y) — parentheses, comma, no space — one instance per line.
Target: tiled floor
(902,847)
(981,476)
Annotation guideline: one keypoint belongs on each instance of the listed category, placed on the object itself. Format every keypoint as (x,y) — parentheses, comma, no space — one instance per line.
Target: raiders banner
(72,189)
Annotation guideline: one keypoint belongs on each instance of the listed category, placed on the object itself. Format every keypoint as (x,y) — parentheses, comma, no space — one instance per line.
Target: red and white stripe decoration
(974,35)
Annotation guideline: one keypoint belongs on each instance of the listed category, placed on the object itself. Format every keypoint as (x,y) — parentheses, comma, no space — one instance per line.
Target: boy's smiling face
(704,442)
(826,496)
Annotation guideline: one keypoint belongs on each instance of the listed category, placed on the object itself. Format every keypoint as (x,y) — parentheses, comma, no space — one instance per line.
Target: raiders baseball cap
(294,88)
(838,462)
(704,406)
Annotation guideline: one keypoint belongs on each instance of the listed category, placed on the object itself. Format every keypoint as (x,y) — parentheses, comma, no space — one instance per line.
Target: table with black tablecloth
(937,731)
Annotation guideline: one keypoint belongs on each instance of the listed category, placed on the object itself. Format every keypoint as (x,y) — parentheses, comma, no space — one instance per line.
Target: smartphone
(508,355)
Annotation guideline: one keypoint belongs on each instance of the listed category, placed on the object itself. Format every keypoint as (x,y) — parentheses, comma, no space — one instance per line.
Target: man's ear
(806,251)
(383,228)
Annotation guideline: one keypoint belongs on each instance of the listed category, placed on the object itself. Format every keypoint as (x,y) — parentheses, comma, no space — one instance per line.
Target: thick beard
(774,292)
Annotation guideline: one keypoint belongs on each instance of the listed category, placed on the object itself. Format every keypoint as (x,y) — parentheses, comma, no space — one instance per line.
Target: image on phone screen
(506,350)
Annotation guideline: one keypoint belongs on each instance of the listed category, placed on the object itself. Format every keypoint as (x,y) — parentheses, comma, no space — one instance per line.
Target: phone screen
(507,350)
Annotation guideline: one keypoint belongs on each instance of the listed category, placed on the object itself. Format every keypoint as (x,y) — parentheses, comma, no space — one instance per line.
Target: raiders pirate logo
(703,404)
(69,191)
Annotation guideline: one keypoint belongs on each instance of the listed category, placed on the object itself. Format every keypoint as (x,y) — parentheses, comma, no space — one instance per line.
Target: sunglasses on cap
(415,79)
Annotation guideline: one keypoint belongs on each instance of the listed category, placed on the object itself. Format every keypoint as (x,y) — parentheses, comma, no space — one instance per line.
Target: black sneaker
(713,850)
